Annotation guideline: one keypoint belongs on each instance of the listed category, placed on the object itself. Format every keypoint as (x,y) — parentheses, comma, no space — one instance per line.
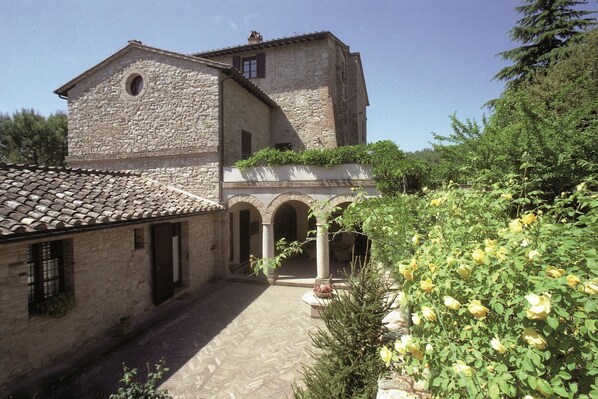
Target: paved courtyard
(238,341)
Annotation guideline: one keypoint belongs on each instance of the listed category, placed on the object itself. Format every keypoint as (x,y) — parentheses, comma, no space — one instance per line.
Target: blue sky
(423,59)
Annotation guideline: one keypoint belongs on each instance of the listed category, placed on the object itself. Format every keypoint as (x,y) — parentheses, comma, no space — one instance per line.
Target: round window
(136,85)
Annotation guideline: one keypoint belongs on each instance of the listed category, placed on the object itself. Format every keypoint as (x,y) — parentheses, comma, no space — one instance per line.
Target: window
(245,144)
(134,84)
(283,146)
(139,238)
(251,67)
(45,262)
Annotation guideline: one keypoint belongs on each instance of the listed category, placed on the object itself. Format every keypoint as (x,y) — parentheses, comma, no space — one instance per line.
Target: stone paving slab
(239,341)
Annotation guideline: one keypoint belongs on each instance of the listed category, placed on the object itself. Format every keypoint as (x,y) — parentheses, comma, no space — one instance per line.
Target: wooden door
(163,262)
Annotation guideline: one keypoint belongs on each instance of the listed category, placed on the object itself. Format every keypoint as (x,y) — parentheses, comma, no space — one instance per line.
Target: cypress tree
(543,31)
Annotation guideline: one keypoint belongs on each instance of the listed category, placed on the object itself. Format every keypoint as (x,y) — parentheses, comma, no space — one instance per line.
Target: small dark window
(250,67)
(136,86)
(283,146)
(245,144)
(45,262)
(139,238)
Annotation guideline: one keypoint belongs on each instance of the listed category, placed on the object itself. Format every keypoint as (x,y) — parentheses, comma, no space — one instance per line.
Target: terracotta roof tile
(39,198)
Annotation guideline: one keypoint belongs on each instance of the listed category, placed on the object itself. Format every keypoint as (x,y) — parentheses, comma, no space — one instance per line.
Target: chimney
(255,37)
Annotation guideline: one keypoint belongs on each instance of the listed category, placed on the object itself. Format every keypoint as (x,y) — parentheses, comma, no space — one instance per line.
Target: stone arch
(281,199)
(250,199)
(330,204)
(339,199)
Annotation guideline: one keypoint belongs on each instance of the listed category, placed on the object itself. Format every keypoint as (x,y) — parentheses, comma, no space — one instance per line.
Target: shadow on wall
(307,172)
(283,131)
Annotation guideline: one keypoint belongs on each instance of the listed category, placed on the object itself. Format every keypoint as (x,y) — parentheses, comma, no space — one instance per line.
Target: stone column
(268,246)
(323,256)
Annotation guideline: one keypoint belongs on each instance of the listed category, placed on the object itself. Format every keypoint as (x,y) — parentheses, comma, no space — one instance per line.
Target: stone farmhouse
(151,206)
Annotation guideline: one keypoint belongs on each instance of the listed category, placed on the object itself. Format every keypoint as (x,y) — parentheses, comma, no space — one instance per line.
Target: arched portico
(284,195)
(244,223)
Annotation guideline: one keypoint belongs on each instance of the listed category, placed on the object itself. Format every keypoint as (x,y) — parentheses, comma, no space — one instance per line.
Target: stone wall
(110,279)
(319,88)
(176,113)
(356,101)
(243,111)
(297,79)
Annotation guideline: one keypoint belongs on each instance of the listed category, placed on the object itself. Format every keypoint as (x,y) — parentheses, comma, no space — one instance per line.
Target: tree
(28,137)
(346,362)
(546,26)
(549,124)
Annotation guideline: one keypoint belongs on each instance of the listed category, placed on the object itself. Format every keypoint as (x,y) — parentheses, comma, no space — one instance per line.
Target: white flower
(416,319)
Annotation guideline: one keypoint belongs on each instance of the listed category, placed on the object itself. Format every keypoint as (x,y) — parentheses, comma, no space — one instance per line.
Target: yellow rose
(432,267)
(489,246)
(515,226)
(415,240)
(533,338)
(533,255)
(461,368)
(498,346)
(416,319)
(476,308)
(591,287)
(573,280)
(540,306)
(451,303)
(478,256)
(554,272)
(490,369)
(413,264)
(428,313)
(528,219)
(427,285)
(386,355)
(406,272)
(464,271)
(501,253)
(450,260)
(436,202)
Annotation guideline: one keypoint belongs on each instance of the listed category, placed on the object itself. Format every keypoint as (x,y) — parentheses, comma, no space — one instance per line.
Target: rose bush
(501,286)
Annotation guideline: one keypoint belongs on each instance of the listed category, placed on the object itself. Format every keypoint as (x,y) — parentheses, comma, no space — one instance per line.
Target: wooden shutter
(237,63)
(245,144)
(162,273)
(261,65)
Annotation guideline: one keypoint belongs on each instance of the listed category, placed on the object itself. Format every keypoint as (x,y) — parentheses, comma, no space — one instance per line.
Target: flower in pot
(323,290)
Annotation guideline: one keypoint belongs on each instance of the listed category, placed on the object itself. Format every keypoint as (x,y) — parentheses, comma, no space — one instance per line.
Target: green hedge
(393,171)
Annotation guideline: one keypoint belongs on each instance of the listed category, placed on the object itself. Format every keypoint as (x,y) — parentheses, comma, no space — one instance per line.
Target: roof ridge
(268,42)
(22,166)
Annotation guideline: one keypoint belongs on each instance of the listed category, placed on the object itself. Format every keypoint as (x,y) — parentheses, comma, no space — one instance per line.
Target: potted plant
(323,290)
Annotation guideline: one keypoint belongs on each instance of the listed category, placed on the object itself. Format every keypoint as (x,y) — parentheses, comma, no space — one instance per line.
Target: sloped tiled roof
(38,199)
(228,70)
(282,41)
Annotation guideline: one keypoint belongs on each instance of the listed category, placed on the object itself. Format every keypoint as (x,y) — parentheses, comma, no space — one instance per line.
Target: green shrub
(393,171)
(503,292)
(137,390)
(58,305)
(346,362)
